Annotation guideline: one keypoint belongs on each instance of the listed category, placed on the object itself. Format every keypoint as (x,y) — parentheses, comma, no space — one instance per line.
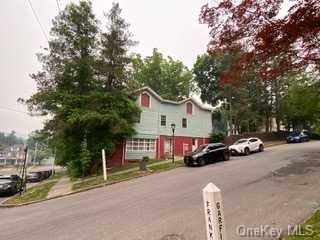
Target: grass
(35,193)
(130,166)
(166,166)
(94,181)
(98,180)
(315,222)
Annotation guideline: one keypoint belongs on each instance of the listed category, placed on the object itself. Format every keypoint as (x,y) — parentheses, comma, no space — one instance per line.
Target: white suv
(246,146)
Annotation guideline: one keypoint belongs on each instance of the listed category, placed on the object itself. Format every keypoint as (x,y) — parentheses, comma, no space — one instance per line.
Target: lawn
(315,222)
(35,193)
(117,176)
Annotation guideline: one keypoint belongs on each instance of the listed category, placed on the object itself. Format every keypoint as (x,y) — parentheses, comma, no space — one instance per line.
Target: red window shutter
(189,108)
(145,100)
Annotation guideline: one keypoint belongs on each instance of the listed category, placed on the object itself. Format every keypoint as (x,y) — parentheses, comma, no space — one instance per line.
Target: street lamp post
(173,127)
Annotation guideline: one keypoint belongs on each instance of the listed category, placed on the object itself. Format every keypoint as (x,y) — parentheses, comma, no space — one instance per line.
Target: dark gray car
(10,184)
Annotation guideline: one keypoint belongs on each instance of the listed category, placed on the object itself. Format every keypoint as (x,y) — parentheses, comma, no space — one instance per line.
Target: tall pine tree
(72,88)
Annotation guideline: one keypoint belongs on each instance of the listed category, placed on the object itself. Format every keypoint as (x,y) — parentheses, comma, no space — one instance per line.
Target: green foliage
(39,147)
(9,139)
(83,86)
(208,71)
(171,79)
(301,105)
(217,136)
(113,59)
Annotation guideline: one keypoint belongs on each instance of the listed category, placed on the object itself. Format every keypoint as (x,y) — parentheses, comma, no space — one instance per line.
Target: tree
(208,71)
(170,78)
(113,61)
(263,34)
(10,139)
(301,104)
(239,103)
(89,106)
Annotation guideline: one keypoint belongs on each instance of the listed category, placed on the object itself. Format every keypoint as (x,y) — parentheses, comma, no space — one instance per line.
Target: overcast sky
(170,26)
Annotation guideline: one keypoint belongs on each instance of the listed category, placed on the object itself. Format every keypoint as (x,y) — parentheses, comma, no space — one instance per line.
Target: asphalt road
(277,187)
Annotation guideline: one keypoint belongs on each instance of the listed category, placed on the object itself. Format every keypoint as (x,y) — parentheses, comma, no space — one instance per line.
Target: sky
(170,26)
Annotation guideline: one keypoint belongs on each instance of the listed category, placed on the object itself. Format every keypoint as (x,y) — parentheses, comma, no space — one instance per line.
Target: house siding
(199,126)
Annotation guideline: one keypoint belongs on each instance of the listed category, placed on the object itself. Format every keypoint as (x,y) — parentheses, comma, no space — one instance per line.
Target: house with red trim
(154,137)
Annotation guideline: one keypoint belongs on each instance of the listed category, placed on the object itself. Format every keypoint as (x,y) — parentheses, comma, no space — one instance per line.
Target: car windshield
(241,141)
(200,148)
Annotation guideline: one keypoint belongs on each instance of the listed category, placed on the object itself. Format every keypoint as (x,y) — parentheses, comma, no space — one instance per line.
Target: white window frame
(141,145)
(165,120)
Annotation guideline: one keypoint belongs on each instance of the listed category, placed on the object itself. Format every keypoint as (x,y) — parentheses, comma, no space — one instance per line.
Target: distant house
(12,155)
(154,139)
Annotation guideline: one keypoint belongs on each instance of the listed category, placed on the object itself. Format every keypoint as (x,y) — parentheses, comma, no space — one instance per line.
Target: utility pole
(24,170)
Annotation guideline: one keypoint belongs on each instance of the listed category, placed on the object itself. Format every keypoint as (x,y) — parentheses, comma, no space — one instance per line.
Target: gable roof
(190,99)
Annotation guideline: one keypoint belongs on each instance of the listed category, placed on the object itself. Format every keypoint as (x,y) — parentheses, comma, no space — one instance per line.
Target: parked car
(34,177)
(10,184)
(246,146)
(298,137)
(207,153)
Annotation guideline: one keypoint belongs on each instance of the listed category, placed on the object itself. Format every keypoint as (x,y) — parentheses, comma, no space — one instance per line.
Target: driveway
(277,187)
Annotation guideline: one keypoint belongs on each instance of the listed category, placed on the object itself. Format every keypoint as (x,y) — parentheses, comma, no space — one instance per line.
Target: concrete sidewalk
(63,186)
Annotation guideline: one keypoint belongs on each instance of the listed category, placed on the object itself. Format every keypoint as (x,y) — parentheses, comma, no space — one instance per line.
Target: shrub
(217,136)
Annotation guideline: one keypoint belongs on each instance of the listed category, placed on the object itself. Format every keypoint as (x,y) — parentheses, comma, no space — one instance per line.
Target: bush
(217,136)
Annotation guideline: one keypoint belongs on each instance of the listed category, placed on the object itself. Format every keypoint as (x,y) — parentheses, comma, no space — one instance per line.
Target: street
(277,187)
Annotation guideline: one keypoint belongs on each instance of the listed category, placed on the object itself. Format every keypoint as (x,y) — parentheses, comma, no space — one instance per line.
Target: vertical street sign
(104,165)
(215,223)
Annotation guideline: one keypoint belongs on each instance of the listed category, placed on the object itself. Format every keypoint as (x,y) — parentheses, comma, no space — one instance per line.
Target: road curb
(94,187)
(73,192)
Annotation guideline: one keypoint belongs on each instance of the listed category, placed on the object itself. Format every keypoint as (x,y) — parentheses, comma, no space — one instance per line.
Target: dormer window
(189,107)
(145,100)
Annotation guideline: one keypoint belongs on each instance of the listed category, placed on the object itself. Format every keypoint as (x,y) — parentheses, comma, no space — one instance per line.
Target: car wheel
(202,162)
(261,148)
(246,151)
(226,156)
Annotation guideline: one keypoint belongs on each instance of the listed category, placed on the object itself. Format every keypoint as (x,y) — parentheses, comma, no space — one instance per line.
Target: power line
(38,20)
(12,110)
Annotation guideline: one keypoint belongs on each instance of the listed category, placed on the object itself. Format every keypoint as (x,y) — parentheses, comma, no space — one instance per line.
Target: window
(140,145)
(163,120)
(184,122)
(137,118)
(145,100)
(253,140)
(189,108)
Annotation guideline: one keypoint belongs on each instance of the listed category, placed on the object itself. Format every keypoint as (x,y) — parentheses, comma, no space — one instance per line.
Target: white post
(52,164)
(35,153)
(215,223)
(104,165)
